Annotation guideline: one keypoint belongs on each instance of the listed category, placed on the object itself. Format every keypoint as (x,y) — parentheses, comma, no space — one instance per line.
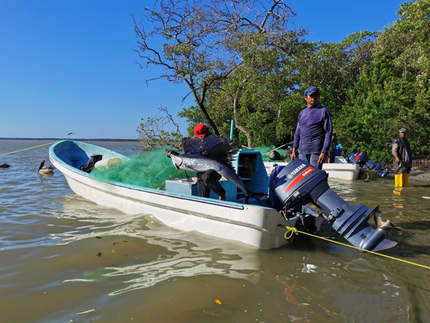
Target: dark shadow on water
(417,225)
(406,250)
(402,250)
(317,245)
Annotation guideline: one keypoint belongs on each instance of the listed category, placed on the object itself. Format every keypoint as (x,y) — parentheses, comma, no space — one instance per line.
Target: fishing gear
(303,191)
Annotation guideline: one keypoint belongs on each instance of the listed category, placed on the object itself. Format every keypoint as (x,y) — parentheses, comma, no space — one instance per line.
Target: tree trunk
(238,126)
(200,102)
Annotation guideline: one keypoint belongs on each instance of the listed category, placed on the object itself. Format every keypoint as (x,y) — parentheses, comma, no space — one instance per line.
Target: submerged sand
(420,174)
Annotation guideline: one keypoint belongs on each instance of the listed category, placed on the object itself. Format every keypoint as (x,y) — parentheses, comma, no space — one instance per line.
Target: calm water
(64,259)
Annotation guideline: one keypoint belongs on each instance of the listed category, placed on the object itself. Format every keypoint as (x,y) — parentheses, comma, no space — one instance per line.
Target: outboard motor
(359,157)
(303,190)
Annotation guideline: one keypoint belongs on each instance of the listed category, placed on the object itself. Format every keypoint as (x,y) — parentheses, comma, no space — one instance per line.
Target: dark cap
(402,130)
(200,131)
(311,90)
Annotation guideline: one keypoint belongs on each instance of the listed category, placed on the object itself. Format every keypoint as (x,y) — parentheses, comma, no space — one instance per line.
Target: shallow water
(65,259)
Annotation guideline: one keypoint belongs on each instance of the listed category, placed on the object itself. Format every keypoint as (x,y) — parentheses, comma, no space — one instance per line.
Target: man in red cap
(209,180)
(200,131)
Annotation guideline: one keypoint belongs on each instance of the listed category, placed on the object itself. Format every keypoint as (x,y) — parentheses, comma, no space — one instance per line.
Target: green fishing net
(147,169)
(265,151)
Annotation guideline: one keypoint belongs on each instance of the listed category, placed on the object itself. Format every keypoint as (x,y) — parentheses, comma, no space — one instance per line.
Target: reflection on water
(398,200)
(65,259)
(186,254)
(189,263)
(345,189)
(322,284)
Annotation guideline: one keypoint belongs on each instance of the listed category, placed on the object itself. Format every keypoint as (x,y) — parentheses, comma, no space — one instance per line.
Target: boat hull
(348,172)
(258,226)
(338,170)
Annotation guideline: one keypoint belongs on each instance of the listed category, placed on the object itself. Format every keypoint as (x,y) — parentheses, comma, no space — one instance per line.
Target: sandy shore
(420,174)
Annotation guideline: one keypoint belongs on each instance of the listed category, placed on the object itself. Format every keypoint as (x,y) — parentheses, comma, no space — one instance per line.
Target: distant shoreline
(81,139)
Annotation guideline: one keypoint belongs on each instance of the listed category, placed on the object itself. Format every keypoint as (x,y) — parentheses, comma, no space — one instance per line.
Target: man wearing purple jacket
(313,133)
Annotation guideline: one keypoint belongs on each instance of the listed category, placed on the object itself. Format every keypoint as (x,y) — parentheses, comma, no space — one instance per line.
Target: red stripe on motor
(358,156)
(302,175)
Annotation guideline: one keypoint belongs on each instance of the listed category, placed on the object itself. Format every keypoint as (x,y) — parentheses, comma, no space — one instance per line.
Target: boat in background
(340,169)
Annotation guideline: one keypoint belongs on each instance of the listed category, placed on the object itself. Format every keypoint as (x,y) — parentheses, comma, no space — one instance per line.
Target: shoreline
(420,174)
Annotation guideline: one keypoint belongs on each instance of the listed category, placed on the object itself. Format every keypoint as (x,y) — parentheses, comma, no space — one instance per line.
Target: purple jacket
(313,132)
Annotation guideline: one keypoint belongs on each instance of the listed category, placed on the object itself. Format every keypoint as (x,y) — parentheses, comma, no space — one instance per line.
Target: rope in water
(291,231)
(16,151)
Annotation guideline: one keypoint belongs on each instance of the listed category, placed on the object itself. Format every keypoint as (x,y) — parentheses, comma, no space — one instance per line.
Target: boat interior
(248,164)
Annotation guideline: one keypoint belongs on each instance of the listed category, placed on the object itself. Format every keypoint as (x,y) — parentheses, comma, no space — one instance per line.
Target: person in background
(313,132)
(336,149)
(402,159)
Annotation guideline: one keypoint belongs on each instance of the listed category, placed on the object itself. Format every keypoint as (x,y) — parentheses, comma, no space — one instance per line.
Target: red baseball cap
(200,131)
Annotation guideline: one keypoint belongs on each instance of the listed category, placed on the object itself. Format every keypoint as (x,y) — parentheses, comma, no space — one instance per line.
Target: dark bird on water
(4,165)
(45,169)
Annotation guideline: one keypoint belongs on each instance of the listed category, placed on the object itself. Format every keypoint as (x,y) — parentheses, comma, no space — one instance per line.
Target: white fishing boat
(259,226)
(299,190)
(340,169)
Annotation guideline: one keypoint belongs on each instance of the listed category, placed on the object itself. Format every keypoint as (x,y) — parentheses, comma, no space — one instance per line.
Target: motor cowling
(303,191)
(359,157)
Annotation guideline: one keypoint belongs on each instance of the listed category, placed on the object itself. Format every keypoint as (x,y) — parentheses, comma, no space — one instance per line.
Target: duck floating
(4,165)
(45,169)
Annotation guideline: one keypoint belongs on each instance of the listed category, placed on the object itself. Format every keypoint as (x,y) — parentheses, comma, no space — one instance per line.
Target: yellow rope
(291,231)
(16,151)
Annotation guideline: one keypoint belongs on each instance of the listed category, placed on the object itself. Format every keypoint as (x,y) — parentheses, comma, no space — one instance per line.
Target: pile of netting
(147,169)
(272,154)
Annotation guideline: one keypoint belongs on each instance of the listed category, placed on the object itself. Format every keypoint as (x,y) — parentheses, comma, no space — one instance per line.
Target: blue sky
(69,66)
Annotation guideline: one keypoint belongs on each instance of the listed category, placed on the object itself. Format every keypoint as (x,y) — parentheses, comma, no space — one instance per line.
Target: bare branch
(202,43)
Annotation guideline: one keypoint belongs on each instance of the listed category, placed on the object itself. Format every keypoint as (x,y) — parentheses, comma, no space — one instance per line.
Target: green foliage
(407,41)
(393,92)
(204,42)
(254,94)
(152,133)
(373,84)
(193,116)
(333,67)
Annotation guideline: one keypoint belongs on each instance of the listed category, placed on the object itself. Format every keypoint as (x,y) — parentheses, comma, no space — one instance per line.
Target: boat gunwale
(227,204)
(249,216)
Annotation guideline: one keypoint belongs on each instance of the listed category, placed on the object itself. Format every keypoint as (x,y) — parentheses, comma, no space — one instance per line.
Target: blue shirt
(313,132)
(338,150)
